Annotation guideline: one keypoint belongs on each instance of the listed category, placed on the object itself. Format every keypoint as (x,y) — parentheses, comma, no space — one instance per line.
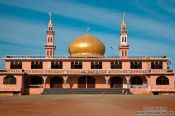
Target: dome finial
(87,30)
(50,14)
(123,20)
(50,21)
(124,14)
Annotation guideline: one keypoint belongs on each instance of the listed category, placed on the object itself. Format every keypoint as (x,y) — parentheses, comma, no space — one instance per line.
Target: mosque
(86,69)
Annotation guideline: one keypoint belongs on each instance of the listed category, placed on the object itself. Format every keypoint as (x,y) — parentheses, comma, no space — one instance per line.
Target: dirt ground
(83,105)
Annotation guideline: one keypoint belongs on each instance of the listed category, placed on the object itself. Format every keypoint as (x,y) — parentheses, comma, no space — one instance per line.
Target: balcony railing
(91,71)
(14,71)
(35,86)
(9,88)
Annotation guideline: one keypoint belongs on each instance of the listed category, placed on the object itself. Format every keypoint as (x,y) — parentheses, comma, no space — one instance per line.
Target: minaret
(50,47)
(123,47)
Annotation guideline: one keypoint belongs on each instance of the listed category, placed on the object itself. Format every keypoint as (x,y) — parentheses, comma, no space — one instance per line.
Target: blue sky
(150,25)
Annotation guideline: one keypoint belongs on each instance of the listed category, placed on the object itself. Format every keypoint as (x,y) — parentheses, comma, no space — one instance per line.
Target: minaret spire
(124,16)
(123,47)
(50,21)
(50,47)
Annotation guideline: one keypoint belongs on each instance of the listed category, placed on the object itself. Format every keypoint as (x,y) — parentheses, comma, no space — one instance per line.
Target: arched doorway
(136,81)
(56,82)
(86,82)
(35,81)
(116,82)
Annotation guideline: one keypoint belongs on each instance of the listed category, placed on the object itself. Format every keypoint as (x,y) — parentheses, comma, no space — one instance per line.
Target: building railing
(66,57)
(25,56)
(91,71)
(138,86)
(2,70)
(147,57)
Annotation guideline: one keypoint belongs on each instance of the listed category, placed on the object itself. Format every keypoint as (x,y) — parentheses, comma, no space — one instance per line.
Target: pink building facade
(87,68)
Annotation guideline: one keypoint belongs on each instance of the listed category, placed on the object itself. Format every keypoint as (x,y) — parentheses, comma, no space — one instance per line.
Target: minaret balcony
(50,46)
(124,46)
(50,32)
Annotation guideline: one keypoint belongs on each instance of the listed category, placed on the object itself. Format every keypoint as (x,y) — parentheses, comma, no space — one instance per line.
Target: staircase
(48,91)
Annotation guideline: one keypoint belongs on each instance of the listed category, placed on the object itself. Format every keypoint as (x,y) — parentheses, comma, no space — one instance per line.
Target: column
(148,81)
(44,78)
(127,81)
(65,80)
(107,80)
(86,82)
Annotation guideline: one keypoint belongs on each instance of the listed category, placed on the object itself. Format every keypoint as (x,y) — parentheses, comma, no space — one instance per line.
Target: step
(83,91)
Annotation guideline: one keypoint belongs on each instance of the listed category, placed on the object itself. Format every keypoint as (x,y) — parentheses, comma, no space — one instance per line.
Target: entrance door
(90,82)
(116,82)
(56,82)
(86,82)
(82,82)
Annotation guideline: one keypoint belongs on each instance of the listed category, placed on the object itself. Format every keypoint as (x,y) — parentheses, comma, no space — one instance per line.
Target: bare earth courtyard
(83,105)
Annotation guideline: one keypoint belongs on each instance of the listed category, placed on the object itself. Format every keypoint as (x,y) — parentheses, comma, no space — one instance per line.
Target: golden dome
(86,45)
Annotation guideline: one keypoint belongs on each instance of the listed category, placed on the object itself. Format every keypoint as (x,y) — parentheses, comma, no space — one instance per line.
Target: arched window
(47,53)
(123,53)
(50,52)
(36,65)
(136,65)
(96,65)
(56,64)
(49,39)
(122,39)
(116,65)
(16,65)
(156,65)
(9,79)
(162,80)
(76,65)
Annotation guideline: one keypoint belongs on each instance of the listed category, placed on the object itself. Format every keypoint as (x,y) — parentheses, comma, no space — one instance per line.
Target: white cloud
(99,16)
(19,31)
(168,6)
